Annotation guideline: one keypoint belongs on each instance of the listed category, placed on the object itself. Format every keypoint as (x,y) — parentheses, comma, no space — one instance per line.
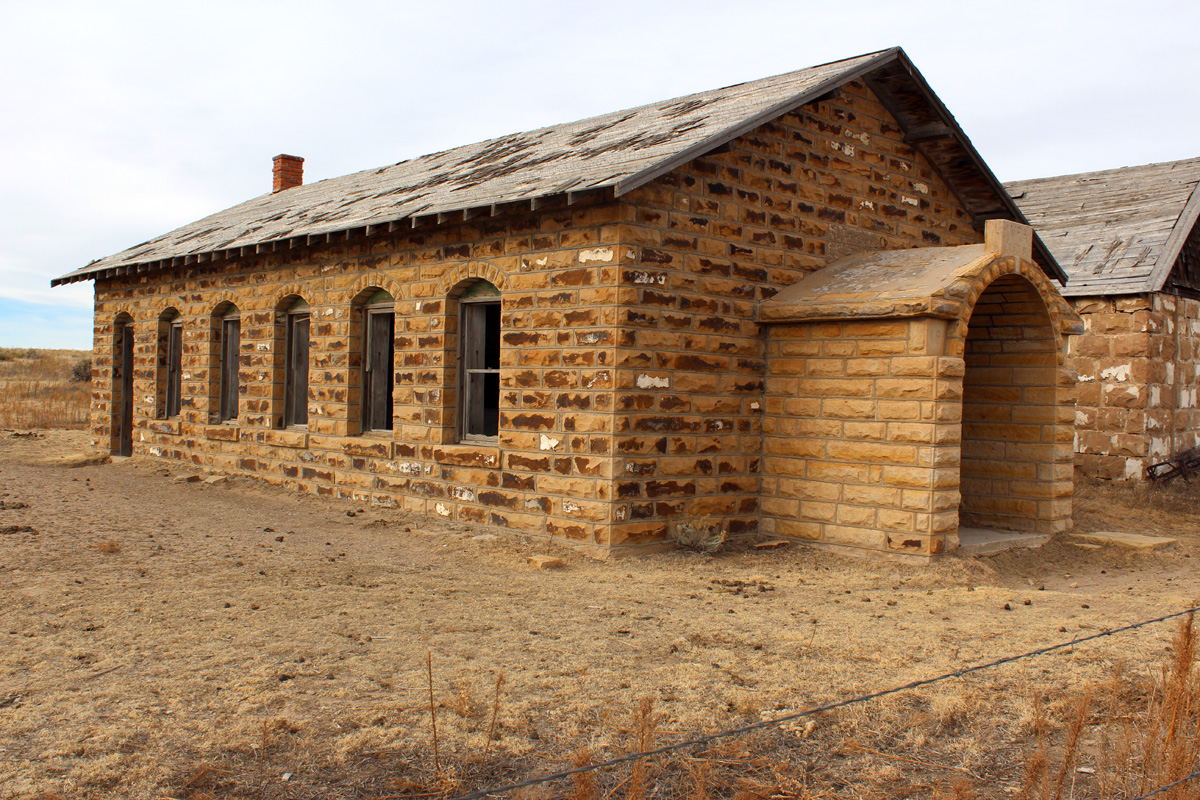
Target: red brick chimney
(288,172)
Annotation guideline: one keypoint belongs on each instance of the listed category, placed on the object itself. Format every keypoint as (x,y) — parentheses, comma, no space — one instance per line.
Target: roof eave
(1175,242)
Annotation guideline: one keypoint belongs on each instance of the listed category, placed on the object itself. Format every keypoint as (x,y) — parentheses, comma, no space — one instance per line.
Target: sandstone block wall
(711,239)
(1139,372)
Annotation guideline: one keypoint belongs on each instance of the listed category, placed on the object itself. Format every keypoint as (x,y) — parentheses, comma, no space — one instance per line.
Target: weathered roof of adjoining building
(920,282)
(615,152)
(1117,231)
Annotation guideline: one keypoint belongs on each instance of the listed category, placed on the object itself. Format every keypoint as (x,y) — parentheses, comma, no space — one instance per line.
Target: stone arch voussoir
(1031,273)
(472,270)
(377,280)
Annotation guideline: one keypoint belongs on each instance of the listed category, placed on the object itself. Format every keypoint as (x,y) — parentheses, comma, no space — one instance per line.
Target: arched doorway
(1010,412)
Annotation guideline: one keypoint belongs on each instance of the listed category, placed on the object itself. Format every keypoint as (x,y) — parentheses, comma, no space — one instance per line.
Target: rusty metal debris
(1185,464)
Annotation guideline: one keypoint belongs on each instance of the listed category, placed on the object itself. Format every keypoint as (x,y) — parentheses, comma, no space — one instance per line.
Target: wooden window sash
(378,368)
(231,335)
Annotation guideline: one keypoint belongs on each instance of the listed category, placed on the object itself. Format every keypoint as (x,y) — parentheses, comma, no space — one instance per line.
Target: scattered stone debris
(18,529)
(187,479)
(216,480)
(743,588)
(546,562)
(772,545)
(12,505)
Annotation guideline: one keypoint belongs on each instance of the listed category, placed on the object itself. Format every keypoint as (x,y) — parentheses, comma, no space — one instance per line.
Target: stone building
(1130,242)
(705,307)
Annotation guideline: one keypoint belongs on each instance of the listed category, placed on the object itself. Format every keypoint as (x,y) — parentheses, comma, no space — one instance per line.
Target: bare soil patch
(196,640)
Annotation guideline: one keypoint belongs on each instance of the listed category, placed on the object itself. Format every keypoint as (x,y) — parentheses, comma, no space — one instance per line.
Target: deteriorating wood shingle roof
(614,153)
(1117,231)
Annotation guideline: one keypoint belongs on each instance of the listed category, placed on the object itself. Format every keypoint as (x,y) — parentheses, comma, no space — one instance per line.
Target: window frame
(367,410)
(173,400)
(229,394)
(473,371)
(295,394)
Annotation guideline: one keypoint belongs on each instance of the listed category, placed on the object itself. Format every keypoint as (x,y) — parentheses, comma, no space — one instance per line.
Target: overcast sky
(124,120)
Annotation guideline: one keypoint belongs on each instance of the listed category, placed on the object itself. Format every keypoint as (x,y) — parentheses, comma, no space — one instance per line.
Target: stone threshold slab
(1133,541)
(984,541)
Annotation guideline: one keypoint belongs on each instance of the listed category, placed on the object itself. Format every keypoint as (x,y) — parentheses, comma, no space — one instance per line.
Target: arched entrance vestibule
(1010,412)
(914,396)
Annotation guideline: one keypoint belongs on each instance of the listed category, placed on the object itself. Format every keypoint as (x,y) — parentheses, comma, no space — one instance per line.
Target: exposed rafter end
(203,257)
(924,133)
(537,202)
(444,216)
(472,213)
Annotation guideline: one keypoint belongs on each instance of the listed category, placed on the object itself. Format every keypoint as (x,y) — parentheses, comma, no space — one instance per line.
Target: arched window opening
(295,396)
(378,362)
(479,361)
(170,363)
(230,332)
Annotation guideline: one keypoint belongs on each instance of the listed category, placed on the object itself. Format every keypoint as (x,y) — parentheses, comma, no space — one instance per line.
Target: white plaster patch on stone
(262,346)
(407,467)
(1160,448)
(597,255)
(548,442)
(912,201)
(1133,468)
(597,378)
(442,509)
(718,425)
(917,186)
(419,304)
(755,406)
(648,278)
(1170,372)
(1086,378)
(593,338)
(463,493)
(1155,394)
(156,451)
(842,147)
(1081,418)
(645,381)
(329,312)
(429,469)
(1117,373)
(621,512)
(187,376)
(571,507)
(866,204)
(1075,443)
(533,505)
(630,253)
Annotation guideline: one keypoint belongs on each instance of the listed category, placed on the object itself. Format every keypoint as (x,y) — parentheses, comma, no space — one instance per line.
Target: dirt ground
(194,640)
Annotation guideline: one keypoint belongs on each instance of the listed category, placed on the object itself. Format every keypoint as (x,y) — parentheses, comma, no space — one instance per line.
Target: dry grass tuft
(698,535)
(44,388)
(1139,749)
(109,546)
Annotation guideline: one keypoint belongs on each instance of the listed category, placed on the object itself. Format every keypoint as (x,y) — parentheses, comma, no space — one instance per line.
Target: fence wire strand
(808,712)
(1169,786)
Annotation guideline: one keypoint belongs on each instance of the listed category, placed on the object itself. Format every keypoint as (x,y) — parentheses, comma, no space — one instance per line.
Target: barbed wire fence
(832,706)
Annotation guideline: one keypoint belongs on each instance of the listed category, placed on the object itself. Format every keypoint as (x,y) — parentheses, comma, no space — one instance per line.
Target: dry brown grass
(1126,738)
(39,389)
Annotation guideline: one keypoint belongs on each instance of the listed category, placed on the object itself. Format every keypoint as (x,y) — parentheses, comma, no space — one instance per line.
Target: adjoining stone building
(704,307)
(1130,241)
